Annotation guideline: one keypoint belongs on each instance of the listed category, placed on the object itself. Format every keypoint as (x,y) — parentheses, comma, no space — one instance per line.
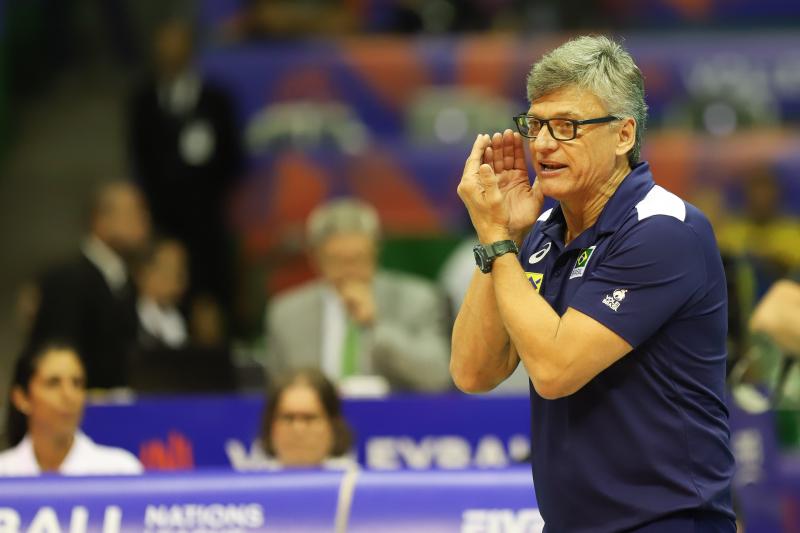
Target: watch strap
(498,248)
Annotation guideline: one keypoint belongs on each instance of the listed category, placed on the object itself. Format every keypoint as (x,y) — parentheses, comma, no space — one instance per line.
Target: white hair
(602,66)
(345,215)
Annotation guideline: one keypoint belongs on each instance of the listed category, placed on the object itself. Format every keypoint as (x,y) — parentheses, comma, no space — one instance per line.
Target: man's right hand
(506,156)
(359,301)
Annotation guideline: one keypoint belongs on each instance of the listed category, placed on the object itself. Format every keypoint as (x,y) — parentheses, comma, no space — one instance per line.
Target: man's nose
(544,141)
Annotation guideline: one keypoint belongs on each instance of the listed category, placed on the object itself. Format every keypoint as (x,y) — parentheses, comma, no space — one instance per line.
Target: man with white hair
(357,320)
(614,301)
(90,301)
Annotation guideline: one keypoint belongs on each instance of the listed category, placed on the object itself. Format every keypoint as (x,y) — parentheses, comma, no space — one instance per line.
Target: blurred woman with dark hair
(303,425)
(48,395)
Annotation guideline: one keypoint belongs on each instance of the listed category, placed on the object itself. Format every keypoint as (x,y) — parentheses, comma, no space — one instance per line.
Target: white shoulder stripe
(544,216)
(660,201)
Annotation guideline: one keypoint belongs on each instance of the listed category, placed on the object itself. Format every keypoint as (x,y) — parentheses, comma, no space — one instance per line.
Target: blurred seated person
(90,301)
(764,232)
(162,279)
(777,316)
(357,320)
(48,394)
(741,283)
(454,277)
(303,425)
(175,355)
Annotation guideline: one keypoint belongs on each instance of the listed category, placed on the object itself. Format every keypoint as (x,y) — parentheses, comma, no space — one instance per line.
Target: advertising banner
(451,431)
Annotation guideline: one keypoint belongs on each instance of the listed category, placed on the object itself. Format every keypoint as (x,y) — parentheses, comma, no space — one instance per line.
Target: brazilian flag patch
(583,260)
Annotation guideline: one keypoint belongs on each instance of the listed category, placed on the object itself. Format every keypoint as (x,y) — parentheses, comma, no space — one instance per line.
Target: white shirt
(85,458)
(164,323)
(110,265)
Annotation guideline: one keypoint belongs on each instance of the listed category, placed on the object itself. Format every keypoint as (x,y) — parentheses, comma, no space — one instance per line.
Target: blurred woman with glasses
(303,424)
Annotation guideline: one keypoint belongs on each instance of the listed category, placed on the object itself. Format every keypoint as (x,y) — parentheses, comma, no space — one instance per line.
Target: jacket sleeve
(410,346)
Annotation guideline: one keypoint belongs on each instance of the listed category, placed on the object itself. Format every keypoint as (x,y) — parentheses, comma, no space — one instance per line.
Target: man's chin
(554,188)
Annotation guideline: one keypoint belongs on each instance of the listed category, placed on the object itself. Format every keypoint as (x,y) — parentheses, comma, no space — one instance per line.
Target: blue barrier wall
(285,502)
(451,431)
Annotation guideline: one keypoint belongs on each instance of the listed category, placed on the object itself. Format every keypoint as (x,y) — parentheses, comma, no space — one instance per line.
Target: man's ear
(626,136)
(20,400)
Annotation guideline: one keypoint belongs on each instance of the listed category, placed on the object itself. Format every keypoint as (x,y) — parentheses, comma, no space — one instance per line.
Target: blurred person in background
(175,351)
(615,305)
(303,424)
(355,319)
(777,316)
(763,232)
(186,154)
(91,301)
(455,276)
(740,276)
(162,279)
(47,399)
(282,19)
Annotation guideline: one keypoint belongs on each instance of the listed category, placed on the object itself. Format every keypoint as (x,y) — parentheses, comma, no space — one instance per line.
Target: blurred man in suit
(90,301)
(355,319)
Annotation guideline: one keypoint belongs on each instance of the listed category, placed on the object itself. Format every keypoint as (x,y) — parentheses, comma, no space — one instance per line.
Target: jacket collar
(631,190)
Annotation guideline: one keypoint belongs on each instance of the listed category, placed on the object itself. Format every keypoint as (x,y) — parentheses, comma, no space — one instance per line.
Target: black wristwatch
(485,254)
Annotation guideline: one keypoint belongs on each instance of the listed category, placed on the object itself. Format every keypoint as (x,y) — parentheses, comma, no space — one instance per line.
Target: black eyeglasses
(561,129)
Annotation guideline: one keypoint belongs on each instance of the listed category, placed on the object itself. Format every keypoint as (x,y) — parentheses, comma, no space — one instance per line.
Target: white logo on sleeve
(538,256)
(614,300)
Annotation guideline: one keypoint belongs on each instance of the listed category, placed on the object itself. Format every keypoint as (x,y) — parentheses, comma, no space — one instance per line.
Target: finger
(488,180)
(474,158)
(488,156)
(519,153)
(508,150)
(497,152)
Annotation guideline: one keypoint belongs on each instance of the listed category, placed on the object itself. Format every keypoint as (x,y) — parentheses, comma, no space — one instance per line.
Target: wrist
(489,237)
(485,254)
(519,235)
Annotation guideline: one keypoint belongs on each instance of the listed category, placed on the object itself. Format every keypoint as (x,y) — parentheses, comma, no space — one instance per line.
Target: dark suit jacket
(78,306)
(187,198)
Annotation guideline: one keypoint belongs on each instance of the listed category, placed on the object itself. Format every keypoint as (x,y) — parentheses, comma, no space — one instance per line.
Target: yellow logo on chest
(535,279)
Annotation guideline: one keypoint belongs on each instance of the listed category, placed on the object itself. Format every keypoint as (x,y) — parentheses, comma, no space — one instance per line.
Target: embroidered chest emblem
(536,280)
(614,300)
(538,256)
(580,264)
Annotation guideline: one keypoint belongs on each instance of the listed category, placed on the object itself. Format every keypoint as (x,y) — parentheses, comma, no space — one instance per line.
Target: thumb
(489,182)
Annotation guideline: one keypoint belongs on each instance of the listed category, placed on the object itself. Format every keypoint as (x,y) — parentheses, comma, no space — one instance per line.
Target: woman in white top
(48,394)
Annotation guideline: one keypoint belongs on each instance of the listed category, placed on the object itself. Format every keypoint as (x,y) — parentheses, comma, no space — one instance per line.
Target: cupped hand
(496,189)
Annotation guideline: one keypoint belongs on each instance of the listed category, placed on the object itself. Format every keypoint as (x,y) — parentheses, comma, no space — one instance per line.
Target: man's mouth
(551,167)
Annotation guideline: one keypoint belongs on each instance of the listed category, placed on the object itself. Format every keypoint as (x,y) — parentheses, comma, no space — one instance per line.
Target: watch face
(481,258)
